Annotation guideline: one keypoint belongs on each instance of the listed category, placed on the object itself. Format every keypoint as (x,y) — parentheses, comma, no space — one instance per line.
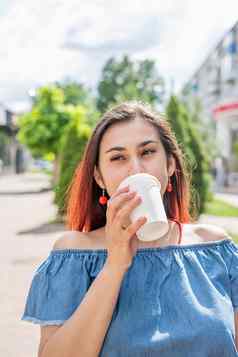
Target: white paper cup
(148,187)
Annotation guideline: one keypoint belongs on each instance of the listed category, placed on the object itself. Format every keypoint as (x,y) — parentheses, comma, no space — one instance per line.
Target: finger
(124,213)
(119,191)
(116,204)
(134,227)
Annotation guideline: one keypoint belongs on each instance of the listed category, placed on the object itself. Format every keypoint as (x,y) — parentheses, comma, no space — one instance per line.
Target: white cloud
(47,41)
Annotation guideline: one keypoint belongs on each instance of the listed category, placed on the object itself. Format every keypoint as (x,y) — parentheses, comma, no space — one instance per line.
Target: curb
(29,192)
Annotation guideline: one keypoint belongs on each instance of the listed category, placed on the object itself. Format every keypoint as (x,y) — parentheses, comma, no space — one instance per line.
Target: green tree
(42,128)
(125,80)
(77,94)
(197,159)
(205,126)
(72,147)
(74,93)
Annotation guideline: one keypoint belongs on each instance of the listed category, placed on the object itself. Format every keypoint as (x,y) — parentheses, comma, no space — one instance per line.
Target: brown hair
(84,212)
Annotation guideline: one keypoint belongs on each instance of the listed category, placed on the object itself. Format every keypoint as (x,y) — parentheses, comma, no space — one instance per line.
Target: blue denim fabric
(174,301)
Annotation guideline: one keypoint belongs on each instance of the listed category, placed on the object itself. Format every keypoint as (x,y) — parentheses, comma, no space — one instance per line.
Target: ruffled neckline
(183,247)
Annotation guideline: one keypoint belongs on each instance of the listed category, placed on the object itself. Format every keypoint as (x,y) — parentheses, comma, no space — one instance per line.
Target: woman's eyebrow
(120,148)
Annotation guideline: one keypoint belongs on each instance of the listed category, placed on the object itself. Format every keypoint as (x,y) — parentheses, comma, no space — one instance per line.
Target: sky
(48,40)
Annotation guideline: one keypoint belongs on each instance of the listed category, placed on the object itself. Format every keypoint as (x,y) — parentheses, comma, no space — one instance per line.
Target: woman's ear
(98,177)
(171,165)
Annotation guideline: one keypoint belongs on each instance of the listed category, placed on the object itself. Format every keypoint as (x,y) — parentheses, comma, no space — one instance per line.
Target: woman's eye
(120,156)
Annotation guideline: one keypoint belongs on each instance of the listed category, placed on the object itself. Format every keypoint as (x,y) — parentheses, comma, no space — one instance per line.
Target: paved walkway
(27,238)
(26,209)
(228,223)
(24,183)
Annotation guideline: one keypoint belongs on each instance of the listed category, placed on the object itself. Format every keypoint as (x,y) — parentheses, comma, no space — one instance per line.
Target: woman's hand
(122,243)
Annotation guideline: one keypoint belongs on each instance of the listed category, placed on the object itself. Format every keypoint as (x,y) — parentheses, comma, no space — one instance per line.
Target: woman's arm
(84,332)
(236,329)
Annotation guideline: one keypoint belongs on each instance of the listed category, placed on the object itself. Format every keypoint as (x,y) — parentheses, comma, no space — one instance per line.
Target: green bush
(191,144)
(72,146)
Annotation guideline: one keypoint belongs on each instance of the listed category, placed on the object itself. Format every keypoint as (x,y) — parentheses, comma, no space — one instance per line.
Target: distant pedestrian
(226,171)
(220,173)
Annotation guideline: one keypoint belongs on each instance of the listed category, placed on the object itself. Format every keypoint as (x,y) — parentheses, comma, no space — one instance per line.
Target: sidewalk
(25,183)
(228,197)
(230,224)
(27,237)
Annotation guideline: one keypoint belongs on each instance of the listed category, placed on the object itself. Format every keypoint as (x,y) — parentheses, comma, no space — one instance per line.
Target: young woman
(101,291)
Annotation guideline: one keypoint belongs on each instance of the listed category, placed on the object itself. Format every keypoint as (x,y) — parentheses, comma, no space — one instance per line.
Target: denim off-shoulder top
(174,301)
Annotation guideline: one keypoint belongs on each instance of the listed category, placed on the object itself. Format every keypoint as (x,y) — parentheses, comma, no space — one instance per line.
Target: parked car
(40,164)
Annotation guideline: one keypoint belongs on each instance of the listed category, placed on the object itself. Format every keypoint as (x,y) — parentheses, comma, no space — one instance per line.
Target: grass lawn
(217,207)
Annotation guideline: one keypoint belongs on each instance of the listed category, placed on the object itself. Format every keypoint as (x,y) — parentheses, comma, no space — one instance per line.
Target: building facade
(14,157)
(215,86)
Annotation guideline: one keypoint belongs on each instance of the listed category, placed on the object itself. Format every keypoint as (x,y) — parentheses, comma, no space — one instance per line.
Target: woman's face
(115,165)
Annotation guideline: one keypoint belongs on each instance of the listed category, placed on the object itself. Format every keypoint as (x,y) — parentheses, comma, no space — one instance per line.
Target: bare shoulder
(78,240)
(210,232)
(71,240)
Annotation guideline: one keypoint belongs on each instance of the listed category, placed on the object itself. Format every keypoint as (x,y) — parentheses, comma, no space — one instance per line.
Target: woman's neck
(171,237)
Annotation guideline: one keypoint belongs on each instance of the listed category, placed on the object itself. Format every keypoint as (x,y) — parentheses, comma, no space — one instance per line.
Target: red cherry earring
(103,199)
(169,187)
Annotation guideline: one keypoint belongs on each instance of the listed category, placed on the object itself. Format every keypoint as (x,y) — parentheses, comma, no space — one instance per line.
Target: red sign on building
(225,108)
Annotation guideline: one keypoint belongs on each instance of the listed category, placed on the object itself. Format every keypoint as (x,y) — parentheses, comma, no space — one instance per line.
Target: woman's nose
(136,167)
